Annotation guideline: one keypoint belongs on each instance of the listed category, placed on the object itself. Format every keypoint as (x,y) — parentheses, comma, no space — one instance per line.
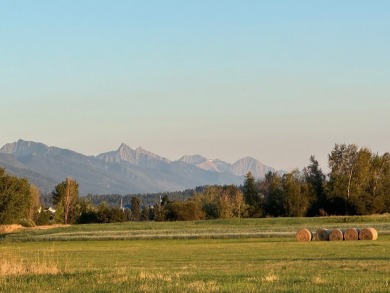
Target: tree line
(358,184)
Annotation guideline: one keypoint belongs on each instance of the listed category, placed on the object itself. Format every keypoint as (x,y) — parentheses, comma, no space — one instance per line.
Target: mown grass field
(247,255)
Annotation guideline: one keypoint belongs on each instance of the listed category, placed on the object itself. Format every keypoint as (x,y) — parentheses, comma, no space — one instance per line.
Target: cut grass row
(235,228)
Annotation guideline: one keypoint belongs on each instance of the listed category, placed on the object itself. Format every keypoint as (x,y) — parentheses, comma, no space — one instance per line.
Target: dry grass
(47,227)
(271,278)
(14,265)
(41,263)
(201,286)
(10,228)
(146,276)
(318,280)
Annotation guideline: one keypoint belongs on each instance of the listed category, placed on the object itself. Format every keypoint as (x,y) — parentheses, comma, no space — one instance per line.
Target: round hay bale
(368,234)
(304,235)
(322,234)
(336,235)
(351,234)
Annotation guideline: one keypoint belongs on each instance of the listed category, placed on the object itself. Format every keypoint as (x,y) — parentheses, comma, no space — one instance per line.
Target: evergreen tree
(136,208)
(252,196)
(316,181)
(274,195)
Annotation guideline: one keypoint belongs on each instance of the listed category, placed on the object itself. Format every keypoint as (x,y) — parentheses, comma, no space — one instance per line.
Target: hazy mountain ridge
(122,171)
(239,168)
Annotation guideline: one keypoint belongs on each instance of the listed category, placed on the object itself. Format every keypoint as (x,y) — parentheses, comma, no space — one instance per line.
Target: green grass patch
(196,264)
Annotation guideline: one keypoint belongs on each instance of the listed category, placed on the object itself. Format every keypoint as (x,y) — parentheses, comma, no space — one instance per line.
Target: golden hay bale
(336,235)
(322,234)
(304,235)
(351,234)
(368,234)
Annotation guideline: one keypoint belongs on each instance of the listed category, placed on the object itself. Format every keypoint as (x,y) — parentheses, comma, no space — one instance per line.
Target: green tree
(342,163)
(358,179)
(296,194)
(136,208)
(65,198)
(15,200)
(252,196)
(189,210)
(146,213)
(316,181)
(88,212)
(222,202)
(159,213)
(379,183)
(272,187)
(35,202)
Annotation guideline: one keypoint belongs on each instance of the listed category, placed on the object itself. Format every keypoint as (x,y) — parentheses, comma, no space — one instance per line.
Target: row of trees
(358,184)
(214,202)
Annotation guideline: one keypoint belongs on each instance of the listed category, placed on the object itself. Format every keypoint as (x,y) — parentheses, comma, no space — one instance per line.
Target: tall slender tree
(316,181)
(253,198)
(65,198)
(136,208)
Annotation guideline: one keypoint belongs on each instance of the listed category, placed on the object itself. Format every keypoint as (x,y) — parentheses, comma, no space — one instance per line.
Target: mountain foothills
(122,171)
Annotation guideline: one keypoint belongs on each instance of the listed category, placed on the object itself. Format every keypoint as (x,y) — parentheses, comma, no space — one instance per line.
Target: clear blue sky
(275,80)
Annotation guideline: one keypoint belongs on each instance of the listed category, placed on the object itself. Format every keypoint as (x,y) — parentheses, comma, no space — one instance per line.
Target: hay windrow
(351,234)
(10,228)
(336,235)
(368,234)
(322,234)
(304,235)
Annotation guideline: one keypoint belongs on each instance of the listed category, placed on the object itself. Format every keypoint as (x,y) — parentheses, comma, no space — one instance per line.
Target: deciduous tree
(65,198)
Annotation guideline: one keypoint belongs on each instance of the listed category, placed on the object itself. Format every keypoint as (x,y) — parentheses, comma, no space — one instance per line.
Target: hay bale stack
(336,235)
(322,234)
(351,234)
(304,235)
(368,234)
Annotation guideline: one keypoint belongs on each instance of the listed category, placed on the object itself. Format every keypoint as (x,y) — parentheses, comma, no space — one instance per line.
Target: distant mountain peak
(123,145)
(139,156)
(192,159)
(249,164)
(21,146)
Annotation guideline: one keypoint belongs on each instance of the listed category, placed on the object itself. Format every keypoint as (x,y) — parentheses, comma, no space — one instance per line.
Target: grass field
(247,255)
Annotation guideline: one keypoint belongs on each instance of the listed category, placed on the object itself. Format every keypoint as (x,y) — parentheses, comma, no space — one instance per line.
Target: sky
(275,80)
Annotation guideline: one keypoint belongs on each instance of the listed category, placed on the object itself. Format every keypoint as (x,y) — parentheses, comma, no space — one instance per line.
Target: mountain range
(122,171)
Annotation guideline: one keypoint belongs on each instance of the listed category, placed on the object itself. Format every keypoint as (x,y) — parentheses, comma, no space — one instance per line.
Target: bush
(26,223)
(43,218)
